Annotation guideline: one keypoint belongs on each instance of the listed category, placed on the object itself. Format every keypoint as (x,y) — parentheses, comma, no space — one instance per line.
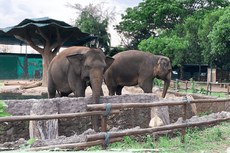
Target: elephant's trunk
(96,75)
(166,84)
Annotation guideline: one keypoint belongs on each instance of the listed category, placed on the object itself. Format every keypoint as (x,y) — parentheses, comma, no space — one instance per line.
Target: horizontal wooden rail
(134,105)
(57,116)
(151,130)
(74,145)
(154,104)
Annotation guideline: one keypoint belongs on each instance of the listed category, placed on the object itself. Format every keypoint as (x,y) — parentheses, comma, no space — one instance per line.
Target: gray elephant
(70,70)
(134,67)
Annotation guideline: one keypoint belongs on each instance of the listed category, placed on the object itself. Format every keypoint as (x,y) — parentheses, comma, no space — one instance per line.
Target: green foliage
(115,50)
(157,82)
(2,114)
(172,47)
(141,22)
(206,27)
(95,20)
(29,142)
(220,40)
(202,91)
(193,86)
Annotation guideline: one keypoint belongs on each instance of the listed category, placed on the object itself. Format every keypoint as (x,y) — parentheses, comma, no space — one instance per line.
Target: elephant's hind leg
(51,89)
(51,92)
(119,89)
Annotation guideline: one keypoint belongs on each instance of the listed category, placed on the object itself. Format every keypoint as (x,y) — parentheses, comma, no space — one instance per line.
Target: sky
(13,12)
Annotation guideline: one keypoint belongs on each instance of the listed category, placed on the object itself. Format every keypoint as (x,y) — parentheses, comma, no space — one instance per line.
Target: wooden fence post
(183,119)
(186,85)
(104,124)
(228,89)
(207,87)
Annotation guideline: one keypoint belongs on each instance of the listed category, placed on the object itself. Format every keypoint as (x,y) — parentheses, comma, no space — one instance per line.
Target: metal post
(177,85)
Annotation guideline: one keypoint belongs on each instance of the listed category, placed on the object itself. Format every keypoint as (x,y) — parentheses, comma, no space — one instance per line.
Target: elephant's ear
(108,61)
(75,61)
(164,62)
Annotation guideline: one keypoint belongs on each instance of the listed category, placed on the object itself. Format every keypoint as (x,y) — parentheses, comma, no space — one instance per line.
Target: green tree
(173,47)
(115,50)
(219,38)
(143,21)
(206,27)
(95,20)
(194,50)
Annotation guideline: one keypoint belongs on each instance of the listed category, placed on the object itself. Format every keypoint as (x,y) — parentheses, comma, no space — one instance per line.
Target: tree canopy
(94,18)
(143,21)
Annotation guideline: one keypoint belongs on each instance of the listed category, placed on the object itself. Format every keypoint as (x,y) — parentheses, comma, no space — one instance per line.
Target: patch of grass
(213,139)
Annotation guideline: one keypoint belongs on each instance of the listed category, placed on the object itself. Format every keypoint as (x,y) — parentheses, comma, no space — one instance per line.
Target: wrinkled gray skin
(72,68)
(134,67)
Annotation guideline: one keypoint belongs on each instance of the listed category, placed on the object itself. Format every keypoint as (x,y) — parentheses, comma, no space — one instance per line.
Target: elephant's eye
(87,67)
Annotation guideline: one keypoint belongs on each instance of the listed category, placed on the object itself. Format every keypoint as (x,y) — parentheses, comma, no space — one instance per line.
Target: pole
(211,81)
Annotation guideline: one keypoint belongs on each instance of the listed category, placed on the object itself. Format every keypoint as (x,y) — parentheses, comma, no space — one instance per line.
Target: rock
(155,122)
(114,129)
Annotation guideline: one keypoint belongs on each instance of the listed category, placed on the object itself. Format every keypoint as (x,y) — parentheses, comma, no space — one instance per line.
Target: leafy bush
(193,86)
(202,91)
(2,107)
(157,82)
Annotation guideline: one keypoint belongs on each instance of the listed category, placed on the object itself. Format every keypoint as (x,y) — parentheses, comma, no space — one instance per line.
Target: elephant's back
(135,57)
(132,54)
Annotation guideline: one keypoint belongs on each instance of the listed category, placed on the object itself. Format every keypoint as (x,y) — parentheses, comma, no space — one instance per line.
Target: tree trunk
(47,57)
(182,72)
(199,72)
(221,74)
(228,76)
(25,68)
(44,129)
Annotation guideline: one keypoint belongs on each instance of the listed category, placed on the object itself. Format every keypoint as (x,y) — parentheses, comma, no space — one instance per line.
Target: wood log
(151,130)
(57,116)
(31,85)
(44,129)
(8,83)
(74,145)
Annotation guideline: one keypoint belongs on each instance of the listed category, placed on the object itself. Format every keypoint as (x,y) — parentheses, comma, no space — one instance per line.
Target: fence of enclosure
(177,83)
(111,137)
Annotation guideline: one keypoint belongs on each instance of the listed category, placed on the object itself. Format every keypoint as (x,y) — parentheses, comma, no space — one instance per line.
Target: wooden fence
(98,139)
(208,87)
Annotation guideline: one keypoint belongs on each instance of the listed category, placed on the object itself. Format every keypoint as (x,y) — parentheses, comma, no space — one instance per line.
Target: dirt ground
(126,90)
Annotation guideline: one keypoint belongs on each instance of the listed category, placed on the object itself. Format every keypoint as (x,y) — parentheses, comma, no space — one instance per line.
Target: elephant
(134,67)
(73,68)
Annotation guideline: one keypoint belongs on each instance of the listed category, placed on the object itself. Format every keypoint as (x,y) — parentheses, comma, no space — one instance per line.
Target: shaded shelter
(46,36)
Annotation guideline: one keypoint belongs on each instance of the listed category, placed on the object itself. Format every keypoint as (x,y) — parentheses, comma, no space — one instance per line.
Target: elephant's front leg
(146,84)
(77,85)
